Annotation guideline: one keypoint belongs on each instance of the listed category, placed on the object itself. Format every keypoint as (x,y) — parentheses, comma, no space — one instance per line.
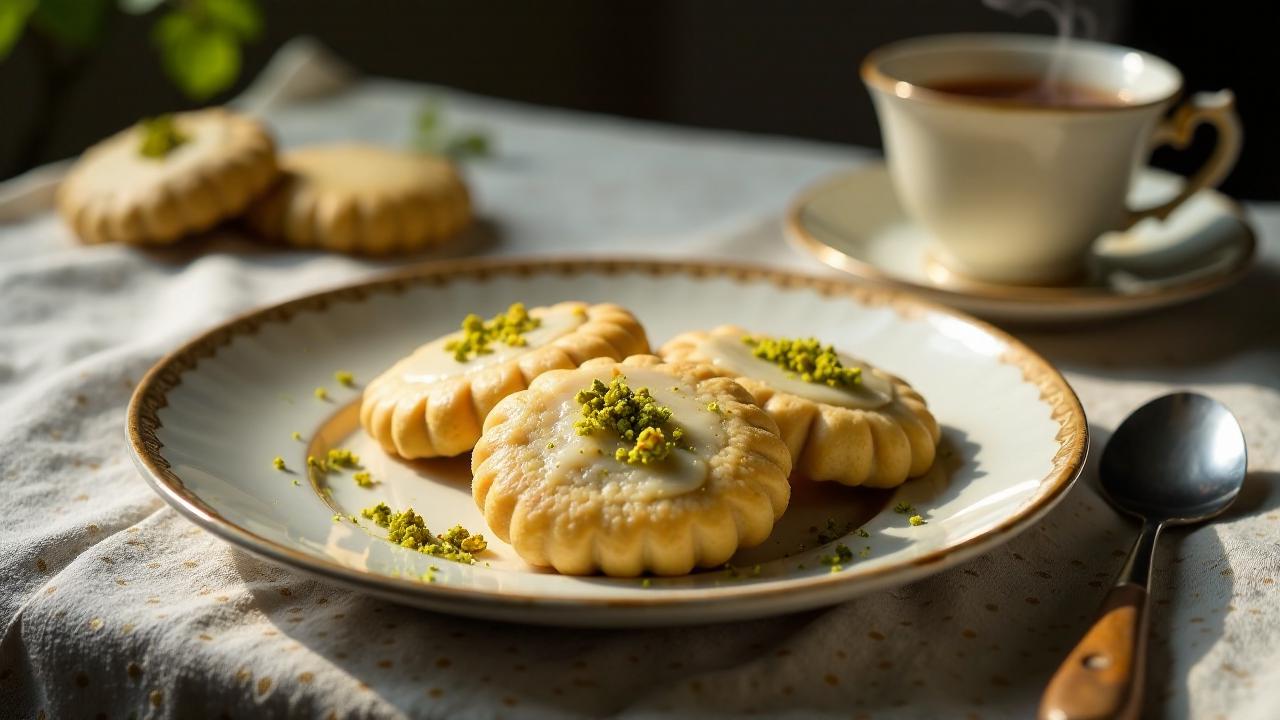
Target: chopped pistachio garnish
(842,555)
(862,533)
(345,378)
(904,508)
(320,393)
(713,406)
(296,435)
(160,136)
(807,358)
(341,457)
(408,530)
(317,464)
(363,479)
(380,514)
(651,447)
(646,583)
(634,415)
(916,520)
(461,537)
(478,334)
(295,482)
(337,518)
(865,552)
(430,574)
(834,531)
(836,568)
(278,463)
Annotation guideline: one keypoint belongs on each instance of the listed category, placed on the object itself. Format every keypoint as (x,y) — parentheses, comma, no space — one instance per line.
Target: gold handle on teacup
(1217,109)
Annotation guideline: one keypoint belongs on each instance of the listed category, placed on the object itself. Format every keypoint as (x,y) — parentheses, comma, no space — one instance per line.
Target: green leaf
(468,145)
(429,117)
(202,60)
(433,135)
(240,17)
(74,23)
(13,18)
(139,7)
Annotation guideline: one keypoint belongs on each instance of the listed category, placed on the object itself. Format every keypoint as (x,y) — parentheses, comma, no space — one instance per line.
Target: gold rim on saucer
(961,292)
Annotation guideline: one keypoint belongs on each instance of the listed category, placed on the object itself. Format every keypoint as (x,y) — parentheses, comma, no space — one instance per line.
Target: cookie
(363,199)
(433,402)
(168,177)
(630,467)
(843,420)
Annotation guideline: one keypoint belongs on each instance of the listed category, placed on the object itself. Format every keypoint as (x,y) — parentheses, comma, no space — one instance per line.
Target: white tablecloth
(113,604)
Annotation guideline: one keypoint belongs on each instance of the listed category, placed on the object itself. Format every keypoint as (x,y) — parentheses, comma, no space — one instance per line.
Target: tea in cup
(1015,152)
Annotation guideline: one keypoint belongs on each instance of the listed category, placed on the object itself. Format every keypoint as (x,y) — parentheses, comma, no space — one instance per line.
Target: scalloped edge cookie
(880,447)
(364,199)
(444,417)
(114,194)
(577,529)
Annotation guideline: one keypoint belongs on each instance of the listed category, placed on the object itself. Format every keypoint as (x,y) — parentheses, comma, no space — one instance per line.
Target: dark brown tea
(1031,91)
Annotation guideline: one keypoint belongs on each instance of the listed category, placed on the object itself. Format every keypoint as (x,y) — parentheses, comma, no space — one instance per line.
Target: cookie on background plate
(168,177)
(365,199)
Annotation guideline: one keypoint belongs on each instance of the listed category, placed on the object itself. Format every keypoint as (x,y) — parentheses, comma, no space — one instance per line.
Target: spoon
(1178,459)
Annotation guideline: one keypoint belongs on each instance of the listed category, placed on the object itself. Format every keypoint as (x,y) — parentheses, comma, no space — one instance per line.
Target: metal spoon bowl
(1178,459)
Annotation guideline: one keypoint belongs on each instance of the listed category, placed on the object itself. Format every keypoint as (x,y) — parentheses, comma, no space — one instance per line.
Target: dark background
(773,66)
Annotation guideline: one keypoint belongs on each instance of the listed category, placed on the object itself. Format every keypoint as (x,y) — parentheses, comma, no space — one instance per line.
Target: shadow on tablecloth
(981,639)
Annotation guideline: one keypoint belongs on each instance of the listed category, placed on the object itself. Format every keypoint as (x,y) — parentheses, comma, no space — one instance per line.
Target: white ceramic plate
(853,222)
(206,422)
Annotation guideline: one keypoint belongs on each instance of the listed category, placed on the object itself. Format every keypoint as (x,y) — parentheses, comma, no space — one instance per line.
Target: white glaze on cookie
(731,353)
(432,362)
(575,458)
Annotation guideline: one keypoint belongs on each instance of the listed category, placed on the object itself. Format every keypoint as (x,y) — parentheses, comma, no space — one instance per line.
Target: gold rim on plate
(143,422)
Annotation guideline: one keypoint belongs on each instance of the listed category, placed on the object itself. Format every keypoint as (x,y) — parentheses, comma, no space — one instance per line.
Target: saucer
(853,222)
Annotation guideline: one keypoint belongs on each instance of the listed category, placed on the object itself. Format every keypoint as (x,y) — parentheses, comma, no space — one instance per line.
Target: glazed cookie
(433,402)
(168,177)
(843,420)
(363,199)
(630,467)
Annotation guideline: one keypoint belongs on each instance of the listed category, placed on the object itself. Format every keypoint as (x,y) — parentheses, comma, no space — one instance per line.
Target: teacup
(1015,152)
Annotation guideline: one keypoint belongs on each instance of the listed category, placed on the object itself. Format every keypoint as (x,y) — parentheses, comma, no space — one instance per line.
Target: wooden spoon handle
(1103,675)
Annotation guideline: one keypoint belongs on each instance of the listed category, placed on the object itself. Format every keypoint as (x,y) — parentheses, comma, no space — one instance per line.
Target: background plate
(206,421)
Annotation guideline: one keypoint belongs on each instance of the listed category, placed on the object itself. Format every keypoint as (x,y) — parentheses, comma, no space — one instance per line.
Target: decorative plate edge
(150,396)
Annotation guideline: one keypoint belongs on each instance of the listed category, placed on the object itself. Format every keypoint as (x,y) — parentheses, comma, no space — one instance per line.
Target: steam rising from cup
(1066,15)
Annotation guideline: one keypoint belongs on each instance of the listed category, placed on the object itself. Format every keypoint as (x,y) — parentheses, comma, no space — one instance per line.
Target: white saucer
(853,222)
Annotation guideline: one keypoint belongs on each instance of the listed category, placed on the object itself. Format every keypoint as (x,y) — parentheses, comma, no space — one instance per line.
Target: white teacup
(1016,191)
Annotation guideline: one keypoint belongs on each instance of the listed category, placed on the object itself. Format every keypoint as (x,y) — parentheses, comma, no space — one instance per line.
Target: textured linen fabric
(114,606)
